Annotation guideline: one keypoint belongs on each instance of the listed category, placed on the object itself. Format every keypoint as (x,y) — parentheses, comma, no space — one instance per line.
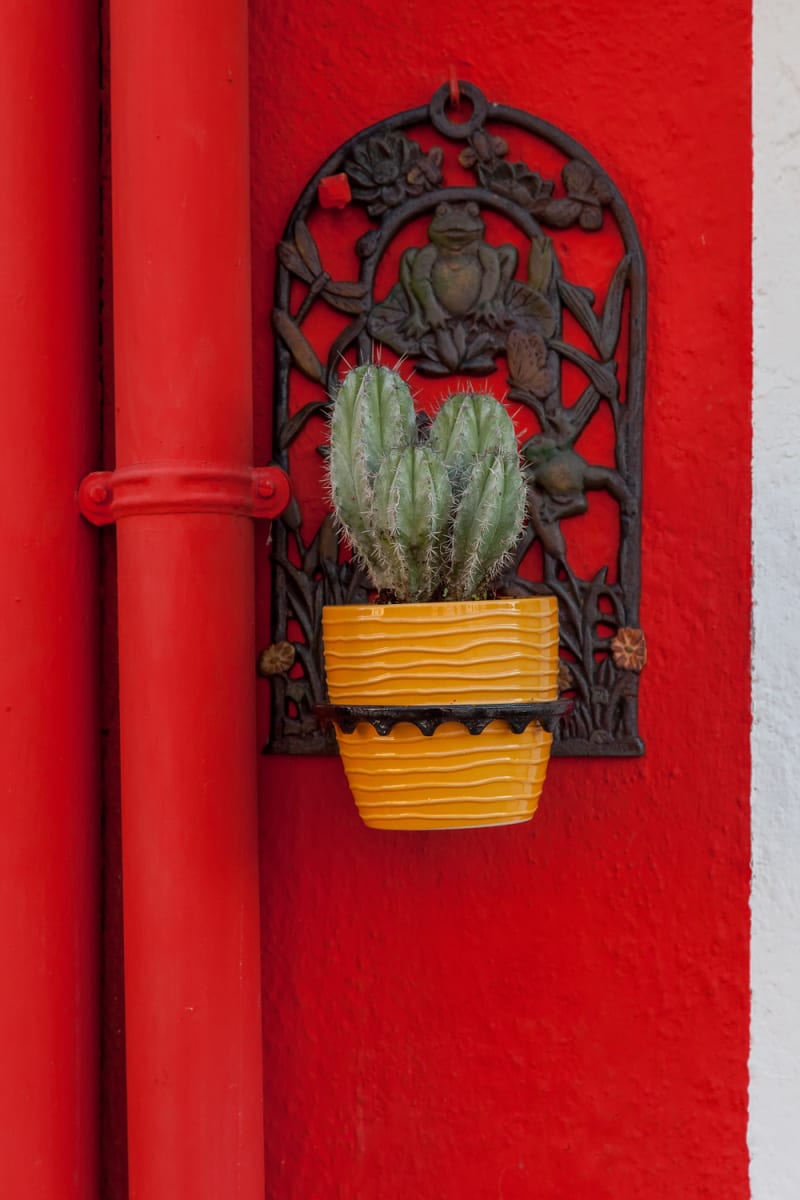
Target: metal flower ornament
(385,171)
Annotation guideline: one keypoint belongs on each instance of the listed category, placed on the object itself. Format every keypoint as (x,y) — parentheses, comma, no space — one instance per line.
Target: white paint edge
(774,1124)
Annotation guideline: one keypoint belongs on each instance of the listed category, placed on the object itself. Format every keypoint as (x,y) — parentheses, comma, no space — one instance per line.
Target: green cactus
(373,416)
(411,508)
(468,427)
(428,515)
(487,524)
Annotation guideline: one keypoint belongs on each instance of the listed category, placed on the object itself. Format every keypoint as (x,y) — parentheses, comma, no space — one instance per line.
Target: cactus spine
(428,517)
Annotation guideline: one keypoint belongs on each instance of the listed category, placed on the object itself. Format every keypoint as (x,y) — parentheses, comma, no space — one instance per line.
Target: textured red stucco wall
(557,1010)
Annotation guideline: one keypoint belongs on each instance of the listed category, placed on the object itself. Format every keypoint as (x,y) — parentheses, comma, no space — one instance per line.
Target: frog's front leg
(421,288)
(498,264)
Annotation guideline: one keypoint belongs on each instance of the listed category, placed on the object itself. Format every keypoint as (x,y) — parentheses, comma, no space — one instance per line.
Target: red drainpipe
(49,856)
(182,494)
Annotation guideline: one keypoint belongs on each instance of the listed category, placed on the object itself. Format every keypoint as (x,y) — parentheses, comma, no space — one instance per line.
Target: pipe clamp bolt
(99,493)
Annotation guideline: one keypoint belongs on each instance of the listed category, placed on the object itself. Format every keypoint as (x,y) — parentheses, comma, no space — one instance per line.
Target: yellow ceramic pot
(470,652)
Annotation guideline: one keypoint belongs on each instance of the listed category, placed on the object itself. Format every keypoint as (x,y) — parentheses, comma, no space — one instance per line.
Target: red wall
(556,1010)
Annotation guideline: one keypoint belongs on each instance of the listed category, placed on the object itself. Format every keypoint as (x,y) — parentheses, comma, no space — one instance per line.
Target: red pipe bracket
(106,496)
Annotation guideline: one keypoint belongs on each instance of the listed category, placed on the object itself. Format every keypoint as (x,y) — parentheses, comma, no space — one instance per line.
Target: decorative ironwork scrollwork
(470,243)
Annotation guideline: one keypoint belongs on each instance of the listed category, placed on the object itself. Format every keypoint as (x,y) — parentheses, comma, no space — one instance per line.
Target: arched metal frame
(603,648)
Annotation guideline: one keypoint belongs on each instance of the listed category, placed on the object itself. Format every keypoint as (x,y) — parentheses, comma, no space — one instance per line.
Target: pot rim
(445,608)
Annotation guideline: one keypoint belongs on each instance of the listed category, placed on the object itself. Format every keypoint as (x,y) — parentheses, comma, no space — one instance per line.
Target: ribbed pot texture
(469,652)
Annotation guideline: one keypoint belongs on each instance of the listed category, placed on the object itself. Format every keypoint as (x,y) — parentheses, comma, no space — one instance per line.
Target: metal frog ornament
(464,303)
(457,298)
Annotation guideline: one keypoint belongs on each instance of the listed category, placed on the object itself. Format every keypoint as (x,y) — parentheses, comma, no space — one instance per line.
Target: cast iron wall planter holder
(574,368)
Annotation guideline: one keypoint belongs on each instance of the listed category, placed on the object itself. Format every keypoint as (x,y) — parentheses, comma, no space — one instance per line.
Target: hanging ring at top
(458,130)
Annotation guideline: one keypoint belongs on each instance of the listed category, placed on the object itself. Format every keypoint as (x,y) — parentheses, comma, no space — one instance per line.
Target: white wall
(774,1134)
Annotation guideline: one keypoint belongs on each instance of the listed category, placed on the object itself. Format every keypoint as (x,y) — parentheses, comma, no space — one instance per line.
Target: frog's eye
(442,210)
(472,209)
